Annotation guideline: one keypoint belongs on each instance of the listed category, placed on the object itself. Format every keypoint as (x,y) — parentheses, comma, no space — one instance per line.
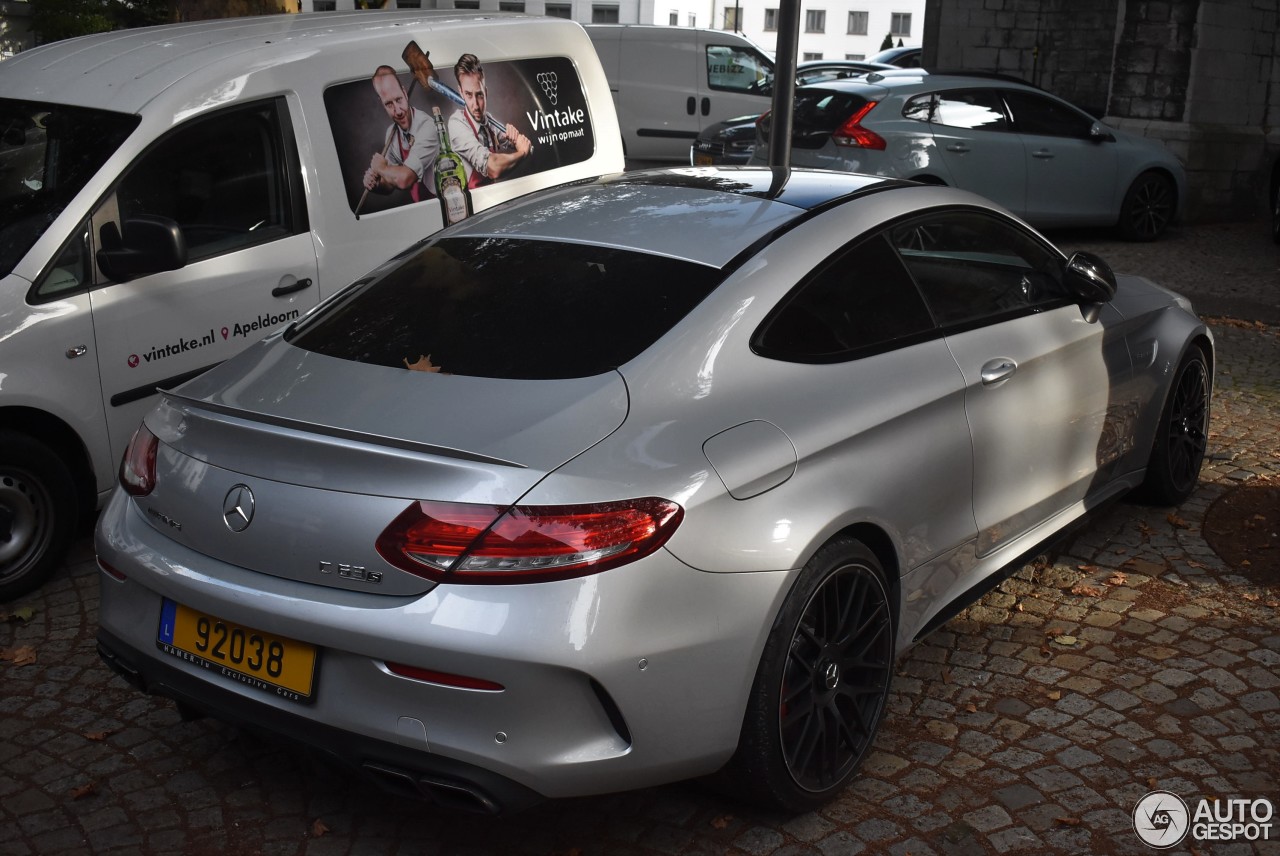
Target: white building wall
(834,42)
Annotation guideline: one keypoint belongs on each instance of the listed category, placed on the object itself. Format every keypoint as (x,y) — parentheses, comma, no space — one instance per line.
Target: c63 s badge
(351,572)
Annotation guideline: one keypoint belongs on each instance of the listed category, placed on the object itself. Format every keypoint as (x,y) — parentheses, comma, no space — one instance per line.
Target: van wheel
(38,513)
(821,686)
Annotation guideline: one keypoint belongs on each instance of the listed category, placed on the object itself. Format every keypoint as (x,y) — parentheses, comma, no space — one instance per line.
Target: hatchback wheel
(1182,435)
(1148,207)
(821,686)
(37,513)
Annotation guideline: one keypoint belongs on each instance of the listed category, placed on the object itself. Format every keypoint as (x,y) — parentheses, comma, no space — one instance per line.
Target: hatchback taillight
(138,469)
(851,133)
(466,543)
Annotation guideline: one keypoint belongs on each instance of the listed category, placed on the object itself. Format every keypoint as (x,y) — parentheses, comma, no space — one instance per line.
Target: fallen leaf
(1192,563)
(1251,596)
(22,613)
(23,656)
(1117,579)
(1176,521)
(1065,640)
(971,708)
(1087,591)
(1088,569)
(721,822)
(318,828)
(1151,782)
(95,735)
(1054,695)
(1246,564)
(84,790)
(1068,821)
(1019,607)
(422,364)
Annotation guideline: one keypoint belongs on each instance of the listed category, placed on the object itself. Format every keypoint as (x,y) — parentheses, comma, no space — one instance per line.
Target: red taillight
(851,133)
(460,542)
(138,469)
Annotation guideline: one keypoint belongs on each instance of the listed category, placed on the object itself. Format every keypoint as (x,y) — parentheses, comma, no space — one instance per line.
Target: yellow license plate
(268,662)
(700,159)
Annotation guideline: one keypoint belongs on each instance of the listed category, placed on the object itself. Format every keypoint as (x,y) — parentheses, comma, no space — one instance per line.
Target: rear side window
(861,302)
(972,109)
(510,308)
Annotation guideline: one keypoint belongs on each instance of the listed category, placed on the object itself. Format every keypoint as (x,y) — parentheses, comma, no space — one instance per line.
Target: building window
(693,20)
(408,4)
(604,14)
(466,4)
(731,18)
(324,5)
(855,57)
(809,57)
(815,21)
(900,24)
(511,6)
(771,20)
(857,23)
(559,10)
(673,19)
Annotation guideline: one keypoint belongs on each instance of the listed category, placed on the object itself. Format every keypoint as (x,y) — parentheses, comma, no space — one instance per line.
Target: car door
(657,88)
(1071,175)
(1038,372)
(973,137)
(231,183)
(735,80)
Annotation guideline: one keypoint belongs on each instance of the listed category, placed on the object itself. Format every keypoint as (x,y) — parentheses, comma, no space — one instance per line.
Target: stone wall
(1201,75)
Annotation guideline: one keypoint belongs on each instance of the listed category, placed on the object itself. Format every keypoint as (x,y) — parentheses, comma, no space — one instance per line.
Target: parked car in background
(1032,152)
(170,194)
(524,515)
(731,142)
(902,57)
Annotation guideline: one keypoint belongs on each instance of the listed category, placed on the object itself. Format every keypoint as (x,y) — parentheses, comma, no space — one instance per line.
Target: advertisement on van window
(412,132)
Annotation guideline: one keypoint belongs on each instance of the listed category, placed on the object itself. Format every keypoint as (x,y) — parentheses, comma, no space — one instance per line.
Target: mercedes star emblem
(237,508)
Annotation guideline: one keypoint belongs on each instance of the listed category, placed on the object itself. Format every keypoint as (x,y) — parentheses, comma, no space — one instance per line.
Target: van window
(47,154)
(223,179)
(737,69)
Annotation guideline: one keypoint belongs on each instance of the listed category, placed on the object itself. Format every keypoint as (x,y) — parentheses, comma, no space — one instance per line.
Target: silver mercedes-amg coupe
(638,480)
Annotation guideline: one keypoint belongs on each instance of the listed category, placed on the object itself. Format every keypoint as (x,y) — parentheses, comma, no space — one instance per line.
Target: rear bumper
(405,772)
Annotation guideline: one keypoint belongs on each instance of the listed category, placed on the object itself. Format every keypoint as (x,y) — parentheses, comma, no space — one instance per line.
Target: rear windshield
(509,308)
(47,153)
(818,113)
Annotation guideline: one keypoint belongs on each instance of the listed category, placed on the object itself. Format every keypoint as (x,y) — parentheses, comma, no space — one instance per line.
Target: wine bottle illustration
(451,177)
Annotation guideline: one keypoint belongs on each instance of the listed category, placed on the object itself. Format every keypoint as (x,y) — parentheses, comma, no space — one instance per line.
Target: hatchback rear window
(818,113)
(509,308)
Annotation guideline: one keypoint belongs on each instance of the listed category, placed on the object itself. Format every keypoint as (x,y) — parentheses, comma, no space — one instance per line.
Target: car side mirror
(1099,133)
(1090,279)
(150,244)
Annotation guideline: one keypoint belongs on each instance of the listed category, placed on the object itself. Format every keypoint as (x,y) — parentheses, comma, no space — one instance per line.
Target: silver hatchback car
(1037,155)
(638,480)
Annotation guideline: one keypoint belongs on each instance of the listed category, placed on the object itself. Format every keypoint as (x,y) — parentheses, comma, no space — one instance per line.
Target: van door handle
(690,105)
(957,147)
(296,285)
(706,106)
(76,351)
(997,370)
(1043,154)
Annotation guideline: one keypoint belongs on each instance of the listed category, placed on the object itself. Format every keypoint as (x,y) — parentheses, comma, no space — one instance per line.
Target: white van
(669,83)
(170,194)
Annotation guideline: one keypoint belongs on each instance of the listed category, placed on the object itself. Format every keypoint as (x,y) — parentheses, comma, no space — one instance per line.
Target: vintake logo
(1161,819)
(550,85)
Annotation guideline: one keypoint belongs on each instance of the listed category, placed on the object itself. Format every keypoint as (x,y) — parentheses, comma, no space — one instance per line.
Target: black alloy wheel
(1182,435)
(822,684)
(836,678)
(1148,207)
(37,513)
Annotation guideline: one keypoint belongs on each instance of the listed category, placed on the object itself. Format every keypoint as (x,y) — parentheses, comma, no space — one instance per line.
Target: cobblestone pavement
(1135,660)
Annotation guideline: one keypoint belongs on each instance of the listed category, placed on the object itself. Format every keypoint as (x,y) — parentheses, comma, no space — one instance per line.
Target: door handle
(706,106)
(690,105)
(1042,154)
(997,370)
(296,285)
(957,147)
(76,351)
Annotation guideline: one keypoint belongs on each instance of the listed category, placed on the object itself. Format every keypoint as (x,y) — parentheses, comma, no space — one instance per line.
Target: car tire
(821,685)
(1177,453)
(38,512)
(1148,207)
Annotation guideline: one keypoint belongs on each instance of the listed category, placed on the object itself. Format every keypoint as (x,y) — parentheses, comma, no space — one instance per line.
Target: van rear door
(734,78)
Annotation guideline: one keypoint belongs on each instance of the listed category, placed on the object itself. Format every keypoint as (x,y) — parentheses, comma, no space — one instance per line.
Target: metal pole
(784,82)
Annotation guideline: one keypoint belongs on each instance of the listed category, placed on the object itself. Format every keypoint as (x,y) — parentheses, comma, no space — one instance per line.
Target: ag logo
(1161,819)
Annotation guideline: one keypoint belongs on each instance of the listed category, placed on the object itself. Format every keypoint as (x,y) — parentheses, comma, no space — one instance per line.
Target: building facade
(15,31)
